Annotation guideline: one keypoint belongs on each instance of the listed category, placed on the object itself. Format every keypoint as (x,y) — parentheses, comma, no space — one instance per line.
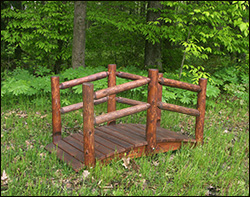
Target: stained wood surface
(177,108)
(115,140)
(120,88)
(78,81)
(179,84)
(111,83)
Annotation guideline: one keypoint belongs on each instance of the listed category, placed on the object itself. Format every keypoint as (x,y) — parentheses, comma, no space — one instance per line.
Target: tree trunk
(152,54)
(78,48)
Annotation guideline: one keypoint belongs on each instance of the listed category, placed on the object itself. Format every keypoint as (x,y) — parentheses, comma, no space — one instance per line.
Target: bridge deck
(115,140)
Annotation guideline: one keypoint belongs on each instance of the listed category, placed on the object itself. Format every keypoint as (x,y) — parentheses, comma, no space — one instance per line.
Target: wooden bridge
(114,140)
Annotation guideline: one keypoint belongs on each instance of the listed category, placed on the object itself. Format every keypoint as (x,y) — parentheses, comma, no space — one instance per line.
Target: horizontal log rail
(177,108)
(120,88)
(121,113)
(77,106)
(78,81)
(179,84)
(128,101)
(129,75)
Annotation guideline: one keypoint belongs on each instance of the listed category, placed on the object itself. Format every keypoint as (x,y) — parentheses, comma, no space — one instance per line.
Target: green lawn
(219,167)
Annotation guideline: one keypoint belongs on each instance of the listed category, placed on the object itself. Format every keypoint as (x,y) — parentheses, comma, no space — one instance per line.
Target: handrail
(120,88)
(129,75)
(120,113)
(77,106)
(179,84)
(177,108)
(78,81)
(128,101)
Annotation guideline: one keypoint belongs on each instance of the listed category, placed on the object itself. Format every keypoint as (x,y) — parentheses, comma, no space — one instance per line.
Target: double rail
(154,104)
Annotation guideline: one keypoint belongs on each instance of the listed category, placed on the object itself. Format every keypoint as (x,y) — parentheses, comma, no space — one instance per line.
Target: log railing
(201,103)
(154,104)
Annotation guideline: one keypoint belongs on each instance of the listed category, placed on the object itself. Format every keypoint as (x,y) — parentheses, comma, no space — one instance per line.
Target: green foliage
(43,31)
(228,81)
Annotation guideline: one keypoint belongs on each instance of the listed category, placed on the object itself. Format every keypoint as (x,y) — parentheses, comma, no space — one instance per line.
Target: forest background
(185,40)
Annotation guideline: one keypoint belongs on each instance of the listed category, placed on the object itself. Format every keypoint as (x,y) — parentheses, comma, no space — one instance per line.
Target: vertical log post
(88,123)
(201,106)
(159,100)
(111,83)
(56,114)
(152,110)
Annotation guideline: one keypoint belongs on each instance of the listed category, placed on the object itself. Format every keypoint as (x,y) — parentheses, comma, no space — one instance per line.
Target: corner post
(159,100)
(152,110)
(56,106)
(111,83)
(88,124)
(201,107)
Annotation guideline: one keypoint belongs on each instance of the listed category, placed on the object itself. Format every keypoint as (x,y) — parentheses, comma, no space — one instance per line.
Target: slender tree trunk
(78,48)
(184,55)
(153,56)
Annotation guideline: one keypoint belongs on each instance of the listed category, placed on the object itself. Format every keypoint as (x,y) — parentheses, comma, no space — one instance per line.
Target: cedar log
(56,114)
(129,75)
(159,100)
(120,88)
(177,108)
(77,106)
(179,84)
(128,101)
(78,81)
(121,113)
(201,106)
(88,124)
(152,111)
(111,83)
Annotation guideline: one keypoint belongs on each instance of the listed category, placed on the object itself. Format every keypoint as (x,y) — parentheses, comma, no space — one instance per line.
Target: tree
(78,49)
(152,55)
(43,31)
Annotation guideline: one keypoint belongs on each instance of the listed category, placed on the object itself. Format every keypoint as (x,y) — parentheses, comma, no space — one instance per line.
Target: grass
(219,167)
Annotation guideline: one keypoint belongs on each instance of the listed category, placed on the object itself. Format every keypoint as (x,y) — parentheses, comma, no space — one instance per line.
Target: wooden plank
(127,136)
(71,150)
(74,142)
(104,142)
(142,128)
(79,81)
(120,136)
(79,138)
(179,84)
(71,161)
(113,139)
(131,130)
(172,134)
(109,144)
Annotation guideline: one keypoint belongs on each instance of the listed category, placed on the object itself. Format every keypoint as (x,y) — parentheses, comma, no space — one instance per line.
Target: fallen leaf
(4,178)
(86,173)
(126,162)
(44,116)
(156,163)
